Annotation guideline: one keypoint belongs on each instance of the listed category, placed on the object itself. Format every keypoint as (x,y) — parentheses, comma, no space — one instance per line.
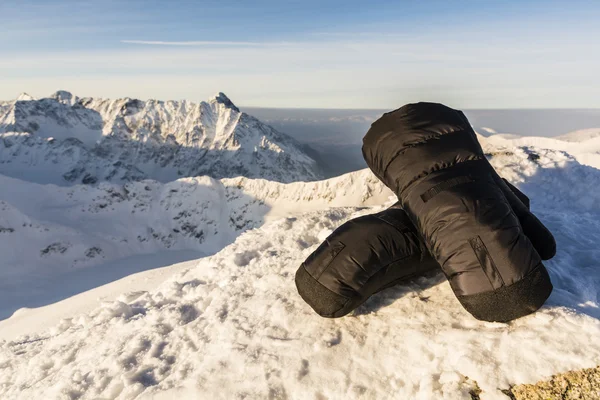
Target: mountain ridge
(128,139)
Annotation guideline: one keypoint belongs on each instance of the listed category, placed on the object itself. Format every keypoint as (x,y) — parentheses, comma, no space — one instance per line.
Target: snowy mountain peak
(25,97)
(128,139)
(221,98)
(62,96)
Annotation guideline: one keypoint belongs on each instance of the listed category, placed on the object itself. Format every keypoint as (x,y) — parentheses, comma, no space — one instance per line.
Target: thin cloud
(200,43)
(369,34)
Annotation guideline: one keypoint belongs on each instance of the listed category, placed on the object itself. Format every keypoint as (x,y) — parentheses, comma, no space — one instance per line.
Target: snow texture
(49,232)
(231,324)
(580,135)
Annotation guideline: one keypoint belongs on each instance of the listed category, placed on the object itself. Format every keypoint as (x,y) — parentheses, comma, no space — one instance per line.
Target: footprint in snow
(304,369)
(223,313)
(188,313)
(333,338)
(242,259)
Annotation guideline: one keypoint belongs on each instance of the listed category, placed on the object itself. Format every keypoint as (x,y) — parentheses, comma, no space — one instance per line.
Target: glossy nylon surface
(359,258)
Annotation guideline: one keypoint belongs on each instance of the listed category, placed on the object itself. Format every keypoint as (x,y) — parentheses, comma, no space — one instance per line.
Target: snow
(25,97)
(65,295)
(89,312)
(485,131)
(586,152)
(488,130)
(580,135)
(51,234)
(229,329)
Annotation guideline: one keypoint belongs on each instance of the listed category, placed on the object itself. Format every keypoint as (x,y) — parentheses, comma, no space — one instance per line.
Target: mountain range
(64,140)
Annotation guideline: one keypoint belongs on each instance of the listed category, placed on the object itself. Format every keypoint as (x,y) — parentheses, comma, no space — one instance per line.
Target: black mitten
(360,258)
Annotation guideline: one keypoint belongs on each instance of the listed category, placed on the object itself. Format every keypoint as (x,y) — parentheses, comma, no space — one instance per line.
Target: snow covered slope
(586,151)
(47,232)
(233,326)
(580,135)
(64,139)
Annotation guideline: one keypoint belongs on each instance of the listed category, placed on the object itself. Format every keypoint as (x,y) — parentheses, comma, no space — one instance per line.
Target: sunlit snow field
(123,324)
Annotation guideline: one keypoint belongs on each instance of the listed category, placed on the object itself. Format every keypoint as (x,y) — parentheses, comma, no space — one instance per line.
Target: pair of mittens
(455,214)
(370,253)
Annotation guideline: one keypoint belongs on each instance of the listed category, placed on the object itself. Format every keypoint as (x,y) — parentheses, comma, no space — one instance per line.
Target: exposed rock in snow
(575,385)
(221,98)
(64,139)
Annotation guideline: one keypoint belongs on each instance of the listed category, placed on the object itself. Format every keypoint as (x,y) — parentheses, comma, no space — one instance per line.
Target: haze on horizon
(311,54)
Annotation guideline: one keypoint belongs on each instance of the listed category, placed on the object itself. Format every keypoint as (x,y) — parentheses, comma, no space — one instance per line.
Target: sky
(309,53)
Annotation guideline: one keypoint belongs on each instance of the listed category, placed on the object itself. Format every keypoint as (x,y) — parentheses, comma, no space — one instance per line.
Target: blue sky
(318,54)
